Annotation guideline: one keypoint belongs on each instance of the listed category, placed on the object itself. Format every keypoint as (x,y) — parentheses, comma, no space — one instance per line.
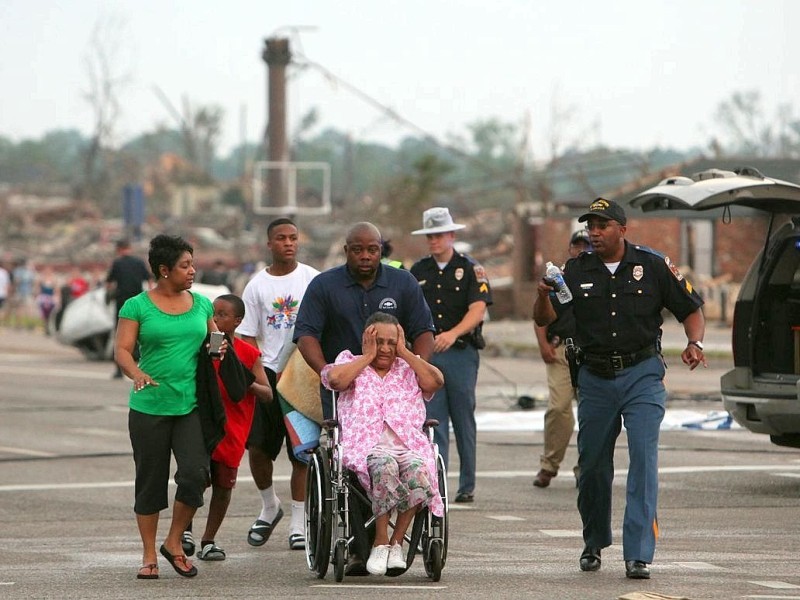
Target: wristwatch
(696,343)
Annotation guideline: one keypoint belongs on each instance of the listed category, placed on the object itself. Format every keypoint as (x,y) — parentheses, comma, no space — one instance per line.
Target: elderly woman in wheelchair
(381,409)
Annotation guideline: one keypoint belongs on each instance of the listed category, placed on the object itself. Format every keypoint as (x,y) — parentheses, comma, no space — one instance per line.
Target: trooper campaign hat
(437,220)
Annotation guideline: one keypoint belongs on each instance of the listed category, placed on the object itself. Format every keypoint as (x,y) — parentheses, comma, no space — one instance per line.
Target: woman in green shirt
(169,322)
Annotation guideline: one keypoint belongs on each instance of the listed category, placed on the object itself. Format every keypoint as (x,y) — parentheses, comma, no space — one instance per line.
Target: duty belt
(607,365)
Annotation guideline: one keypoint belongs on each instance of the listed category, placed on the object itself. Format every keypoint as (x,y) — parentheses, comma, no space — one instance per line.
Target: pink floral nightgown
(371,401)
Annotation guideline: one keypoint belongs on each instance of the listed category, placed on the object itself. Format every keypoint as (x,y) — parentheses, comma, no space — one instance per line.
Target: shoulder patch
(480,274)
(673,268)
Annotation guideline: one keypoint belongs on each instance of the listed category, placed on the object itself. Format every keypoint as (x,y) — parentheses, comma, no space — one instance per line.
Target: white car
(762,391)
(88,322)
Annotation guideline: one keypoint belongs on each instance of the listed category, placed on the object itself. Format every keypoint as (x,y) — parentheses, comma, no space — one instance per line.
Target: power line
(395,116)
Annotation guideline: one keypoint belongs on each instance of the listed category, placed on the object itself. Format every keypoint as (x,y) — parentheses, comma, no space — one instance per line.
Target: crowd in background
(34,296)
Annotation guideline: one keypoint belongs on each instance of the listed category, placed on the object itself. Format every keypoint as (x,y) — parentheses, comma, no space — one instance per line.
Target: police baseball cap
(606,209)
(580,237)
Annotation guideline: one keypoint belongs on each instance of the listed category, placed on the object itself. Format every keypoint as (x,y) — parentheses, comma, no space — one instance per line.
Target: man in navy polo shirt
(338,302)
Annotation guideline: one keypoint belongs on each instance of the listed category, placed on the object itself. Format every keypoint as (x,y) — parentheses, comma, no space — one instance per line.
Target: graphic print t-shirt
(271,305)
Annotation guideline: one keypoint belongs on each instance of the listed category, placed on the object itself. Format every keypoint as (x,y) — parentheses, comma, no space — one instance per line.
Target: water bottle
(553,276)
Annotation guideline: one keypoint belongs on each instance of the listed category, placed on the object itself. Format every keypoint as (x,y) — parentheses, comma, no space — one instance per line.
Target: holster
(573,354)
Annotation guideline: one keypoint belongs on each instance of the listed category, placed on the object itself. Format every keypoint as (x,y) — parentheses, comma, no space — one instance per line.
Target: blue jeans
(455,402)
(636,396)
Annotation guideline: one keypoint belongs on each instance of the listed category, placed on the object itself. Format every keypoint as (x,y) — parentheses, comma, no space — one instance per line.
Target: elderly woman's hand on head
(369,342)
(402,349)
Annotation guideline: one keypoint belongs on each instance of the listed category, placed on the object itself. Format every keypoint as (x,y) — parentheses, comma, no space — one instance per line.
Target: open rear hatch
(763,336)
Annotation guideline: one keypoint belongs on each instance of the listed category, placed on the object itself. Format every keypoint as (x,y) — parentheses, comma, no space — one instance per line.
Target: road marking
(795,475)
(504,518)
(776,585)
(728,468)
(562,533)
(37,487)
(366,586)
(25,451)
(60,373)
(661,470)
(453,506)
(760,597)
(533,420)
(700,566)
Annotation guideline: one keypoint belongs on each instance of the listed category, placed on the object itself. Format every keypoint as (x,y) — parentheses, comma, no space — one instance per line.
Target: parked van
(762,391)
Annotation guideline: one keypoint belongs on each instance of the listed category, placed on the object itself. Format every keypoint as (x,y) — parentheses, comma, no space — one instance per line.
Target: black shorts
(268,430)
(155,439)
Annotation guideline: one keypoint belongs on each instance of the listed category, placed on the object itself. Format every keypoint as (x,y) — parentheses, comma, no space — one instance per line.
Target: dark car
(762,391)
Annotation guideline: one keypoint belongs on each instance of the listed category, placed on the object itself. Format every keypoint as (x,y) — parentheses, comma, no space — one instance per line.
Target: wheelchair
(330,526)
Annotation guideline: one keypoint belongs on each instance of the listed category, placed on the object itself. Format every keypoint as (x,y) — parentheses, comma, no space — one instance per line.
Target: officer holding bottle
(618,291)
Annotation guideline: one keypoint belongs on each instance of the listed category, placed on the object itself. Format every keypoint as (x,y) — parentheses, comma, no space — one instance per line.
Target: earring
(165,276)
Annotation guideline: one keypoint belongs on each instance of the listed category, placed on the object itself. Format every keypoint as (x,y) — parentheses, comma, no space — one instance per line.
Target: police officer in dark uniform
(618,292)
(457,291)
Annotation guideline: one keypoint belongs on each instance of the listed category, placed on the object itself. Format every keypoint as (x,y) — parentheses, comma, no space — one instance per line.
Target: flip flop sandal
(148,571)
(261,530)
(179,563)
(211,552)
(187,541)
(297,541)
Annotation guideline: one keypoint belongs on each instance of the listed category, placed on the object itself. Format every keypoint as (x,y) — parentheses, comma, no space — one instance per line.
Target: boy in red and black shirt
(226,457)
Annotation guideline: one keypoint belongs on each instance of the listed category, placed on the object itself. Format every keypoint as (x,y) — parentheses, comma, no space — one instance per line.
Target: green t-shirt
(169,346)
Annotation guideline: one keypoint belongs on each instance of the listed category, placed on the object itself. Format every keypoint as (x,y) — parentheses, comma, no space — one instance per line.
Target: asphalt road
(728,507)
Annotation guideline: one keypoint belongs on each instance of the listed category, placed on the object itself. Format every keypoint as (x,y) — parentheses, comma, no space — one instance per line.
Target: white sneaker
(378,557)
(396,560)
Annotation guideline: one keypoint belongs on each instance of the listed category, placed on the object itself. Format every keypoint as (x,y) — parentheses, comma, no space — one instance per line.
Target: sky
(627,73)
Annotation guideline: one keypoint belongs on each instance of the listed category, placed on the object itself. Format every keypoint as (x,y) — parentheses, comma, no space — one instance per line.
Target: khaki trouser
(559,422)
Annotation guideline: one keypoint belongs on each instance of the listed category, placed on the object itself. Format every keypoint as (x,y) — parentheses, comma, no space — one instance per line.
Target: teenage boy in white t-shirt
(272,298)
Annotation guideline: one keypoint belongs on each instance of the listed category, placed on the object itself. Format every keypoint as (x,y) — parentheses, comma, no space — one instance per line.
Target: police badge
(638,272)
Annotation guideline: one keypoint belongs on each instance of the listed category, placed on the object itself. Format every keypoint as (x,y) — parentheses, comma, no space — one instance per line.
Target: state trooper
(457,291)
(619,290)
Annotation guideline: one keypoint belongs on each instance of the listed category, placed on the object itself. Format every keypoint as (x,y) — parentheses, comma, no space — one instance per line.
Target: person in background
(331,319)
(71,289)
(386,253)
(46,296)
(619,290)
(226,457)
(218,275)
(23,277)
(78,285)
(5,289)
(391,456)
(126,278)
(457,291)
(559,421)
(272,299)
(169,323)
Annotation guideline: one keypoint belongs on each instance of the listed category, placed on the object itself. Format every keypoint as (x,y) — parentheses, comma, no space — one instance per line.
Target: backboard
(291,188)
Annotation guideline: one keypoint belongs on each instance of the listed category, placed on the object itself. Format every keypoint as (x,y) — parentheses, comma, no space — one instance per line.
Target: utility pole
(277,55)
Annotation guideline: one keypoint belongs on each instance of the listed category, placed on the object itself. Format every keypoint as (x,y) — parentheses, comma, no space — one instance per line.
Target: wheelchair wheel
(318,509)
(435,538)
(433,566)
(339,559)
(442,525)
